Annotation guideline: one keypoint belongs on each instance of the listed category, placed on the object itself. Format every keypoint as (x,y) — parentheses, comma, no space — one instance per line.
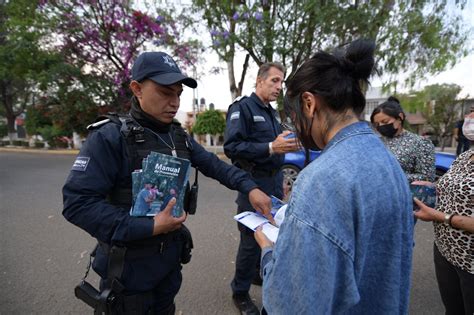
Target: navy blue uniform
(251,126)
(100,167)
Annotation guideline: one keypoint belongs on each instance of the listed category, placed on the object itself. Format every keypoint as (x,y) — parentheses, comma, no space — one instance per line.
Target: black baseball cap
(160,68)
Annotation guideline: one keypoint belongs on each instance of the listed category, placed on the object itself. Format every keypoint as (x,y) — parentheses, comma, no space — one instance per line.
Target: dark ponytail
(336,78)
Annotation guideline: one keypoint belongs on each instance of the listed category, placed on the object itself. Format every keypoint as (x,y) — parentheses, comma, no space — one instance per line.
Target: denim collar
(357,128)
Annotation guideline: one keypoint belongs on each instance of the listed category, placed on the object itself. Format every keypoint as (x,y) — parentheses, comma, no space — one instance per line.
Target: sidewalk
(218,150)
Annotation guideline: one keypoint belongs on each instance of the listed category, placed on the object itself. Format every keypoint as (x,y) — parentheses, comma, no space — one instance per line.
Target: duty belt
(147,249)
(264,173)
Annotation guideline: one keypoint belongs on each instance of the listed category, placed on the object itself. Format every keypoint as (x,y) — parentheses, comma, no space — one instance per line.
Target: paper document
(252,220)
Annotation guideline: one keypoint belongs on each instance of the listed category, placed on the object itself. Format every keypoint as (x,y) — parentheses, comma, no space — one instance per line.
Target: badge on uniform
(258,119)
(234,115)
(80,164)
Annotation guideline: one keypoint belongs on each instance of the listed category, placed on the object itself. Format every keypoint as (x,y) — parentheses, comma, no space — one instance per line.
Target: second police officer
(139,258)
(254,141)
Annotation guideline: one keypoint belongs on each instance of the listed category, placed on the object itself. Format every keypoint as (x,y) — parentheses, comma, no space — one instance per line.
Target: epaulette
(239,98)
(98,124)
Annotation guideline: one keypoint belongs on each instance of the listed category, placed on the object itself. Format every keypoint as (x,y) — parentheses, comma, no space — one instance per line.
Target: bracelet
(448,217)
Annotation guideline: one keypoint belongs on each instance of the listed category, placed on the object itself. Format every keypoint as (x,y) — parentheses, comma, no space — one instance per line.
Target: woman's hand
(423,183)
(261,238)
(426,213)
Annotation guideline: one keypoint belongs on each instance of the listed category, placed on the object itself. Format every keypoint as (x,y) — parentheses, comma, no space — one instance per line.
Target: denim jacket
(345,246)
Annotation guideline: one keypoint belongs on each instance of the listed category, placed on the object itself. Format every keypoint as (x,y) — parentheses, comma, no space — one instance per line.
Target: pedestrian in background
(453,221)
(255,142)
(345,245)
(415,154)
(463,143)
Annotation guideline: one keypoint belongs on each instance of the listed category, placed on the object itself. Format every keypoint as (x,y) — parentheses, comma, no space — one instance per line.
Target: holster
(186,249)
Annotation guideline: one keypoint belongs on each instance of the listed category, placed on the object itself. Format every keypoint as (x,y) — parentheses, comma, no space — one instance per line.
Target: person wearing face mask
(345,245)
(139,259)
(415,154)
(453,221)
(463,142)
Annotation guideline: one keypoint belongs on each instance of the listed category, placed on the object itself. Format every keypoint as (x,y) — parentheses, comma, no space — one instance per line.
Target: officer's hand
(261,202)
(165,222)
(282,145)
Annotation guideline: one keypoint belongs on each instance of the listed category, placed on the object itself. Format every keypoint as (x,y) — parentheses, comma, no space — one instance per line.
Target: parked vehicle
(294,163)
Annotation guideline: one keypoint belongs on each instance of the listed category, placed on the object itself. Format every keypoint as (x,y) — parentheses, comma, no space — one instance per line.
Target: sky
(215,87)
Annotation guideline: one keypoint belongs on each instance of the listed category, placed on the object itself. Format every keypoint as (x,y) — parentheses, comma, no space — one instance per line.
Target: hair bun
(393,99)
(360,54)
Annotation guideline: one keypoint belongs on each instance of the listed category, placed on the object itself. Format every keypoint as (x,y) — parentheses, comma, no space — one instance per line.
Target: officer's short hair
(264,68)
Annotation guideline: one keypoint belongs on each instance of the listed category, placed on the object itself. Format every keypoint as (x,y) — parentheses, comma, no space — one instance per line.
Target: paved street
(43,257)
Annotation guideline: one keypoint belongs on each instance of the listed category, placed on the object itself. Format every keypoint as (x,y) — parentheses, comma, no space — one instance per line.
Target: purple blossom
(225,34)
(258,16)
(236,16)
(246,16)
(159,19)
(214,32)
(216,43)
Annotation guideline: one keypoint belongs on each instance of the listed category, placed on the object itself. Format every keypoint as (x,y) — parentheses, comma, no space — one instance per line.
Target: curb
(220,155)
(40,151)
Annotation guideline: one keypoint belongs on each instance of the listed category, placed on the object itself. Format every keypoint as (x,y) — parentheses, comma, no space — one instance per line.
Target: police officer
(254,141)
(139,258)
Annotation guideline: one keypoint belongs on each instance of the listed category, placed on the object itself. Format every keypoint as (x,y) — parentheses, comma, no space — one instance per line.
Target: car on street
(295,162)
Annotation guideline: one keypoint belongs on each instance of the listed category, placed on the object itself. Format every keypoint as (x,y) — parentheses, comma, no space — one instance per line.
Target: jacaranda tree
(104,37)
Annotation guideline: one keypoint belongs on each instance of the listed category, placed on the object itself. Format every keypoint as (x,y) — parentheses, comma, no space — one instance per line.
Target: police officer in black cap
(255,142)
(139,258)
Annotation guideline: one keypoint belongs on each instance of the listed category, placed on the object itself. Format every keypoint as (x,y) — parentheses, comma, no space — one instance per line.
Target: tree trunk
(76,139)
(234,91)
(12,135)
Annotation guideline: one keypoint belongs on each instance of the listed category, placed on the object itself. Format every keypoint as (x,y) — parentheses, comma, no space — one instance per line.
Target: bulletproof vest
(140,142)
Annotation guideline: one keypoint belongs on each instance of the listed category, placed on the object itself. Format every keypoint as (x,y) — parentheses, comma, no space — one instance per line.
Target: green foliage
(419,38)
(3,129)
(438,103)
(209,122)
(37,117)
(50,132)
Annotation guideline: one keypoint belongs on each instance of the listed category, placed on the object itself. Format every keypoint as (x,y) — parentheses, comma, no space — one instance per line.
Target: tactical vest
(140,142)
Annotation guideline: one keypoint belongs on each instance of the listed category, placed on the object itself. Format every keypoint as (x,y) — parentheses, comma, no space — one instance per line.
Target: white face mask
(468,128)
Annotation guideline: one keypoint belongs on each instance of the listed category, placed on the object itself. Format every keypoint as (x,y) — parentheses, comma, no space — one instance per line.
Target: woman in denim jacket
(345,246)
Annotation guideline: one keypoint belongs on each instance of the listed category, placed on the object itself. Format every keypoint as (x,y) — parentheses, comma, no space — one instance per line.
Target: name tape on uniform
(258,119)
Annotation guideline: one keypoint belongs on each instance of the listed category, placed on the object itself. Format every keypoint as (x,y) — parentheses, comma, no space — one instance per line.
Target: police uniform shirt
(251,126)
(103,163)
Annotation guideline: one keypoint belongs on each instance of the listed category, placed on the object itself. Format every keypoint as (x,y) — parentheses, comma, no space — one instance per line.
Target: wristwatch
(448,217)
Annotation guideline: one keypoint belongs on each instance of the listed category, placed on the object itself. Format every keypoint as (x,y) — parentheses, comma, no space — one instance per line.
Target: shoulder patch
(80,164)
(235,115)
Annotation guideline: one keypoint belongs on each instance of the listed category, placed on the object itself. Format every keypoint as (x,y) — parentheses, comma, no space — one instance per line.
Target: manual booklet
(161,178)
(253,220)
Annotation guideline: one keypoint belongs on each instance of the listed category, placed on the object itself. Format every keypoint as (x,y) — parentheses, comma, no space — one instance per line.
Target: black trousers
(463,146)
(248,256)
(456,286)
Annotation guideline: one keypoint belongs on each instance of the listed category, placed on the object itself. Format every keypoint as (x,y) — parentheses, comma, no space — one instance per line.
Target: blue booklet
(162,178)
